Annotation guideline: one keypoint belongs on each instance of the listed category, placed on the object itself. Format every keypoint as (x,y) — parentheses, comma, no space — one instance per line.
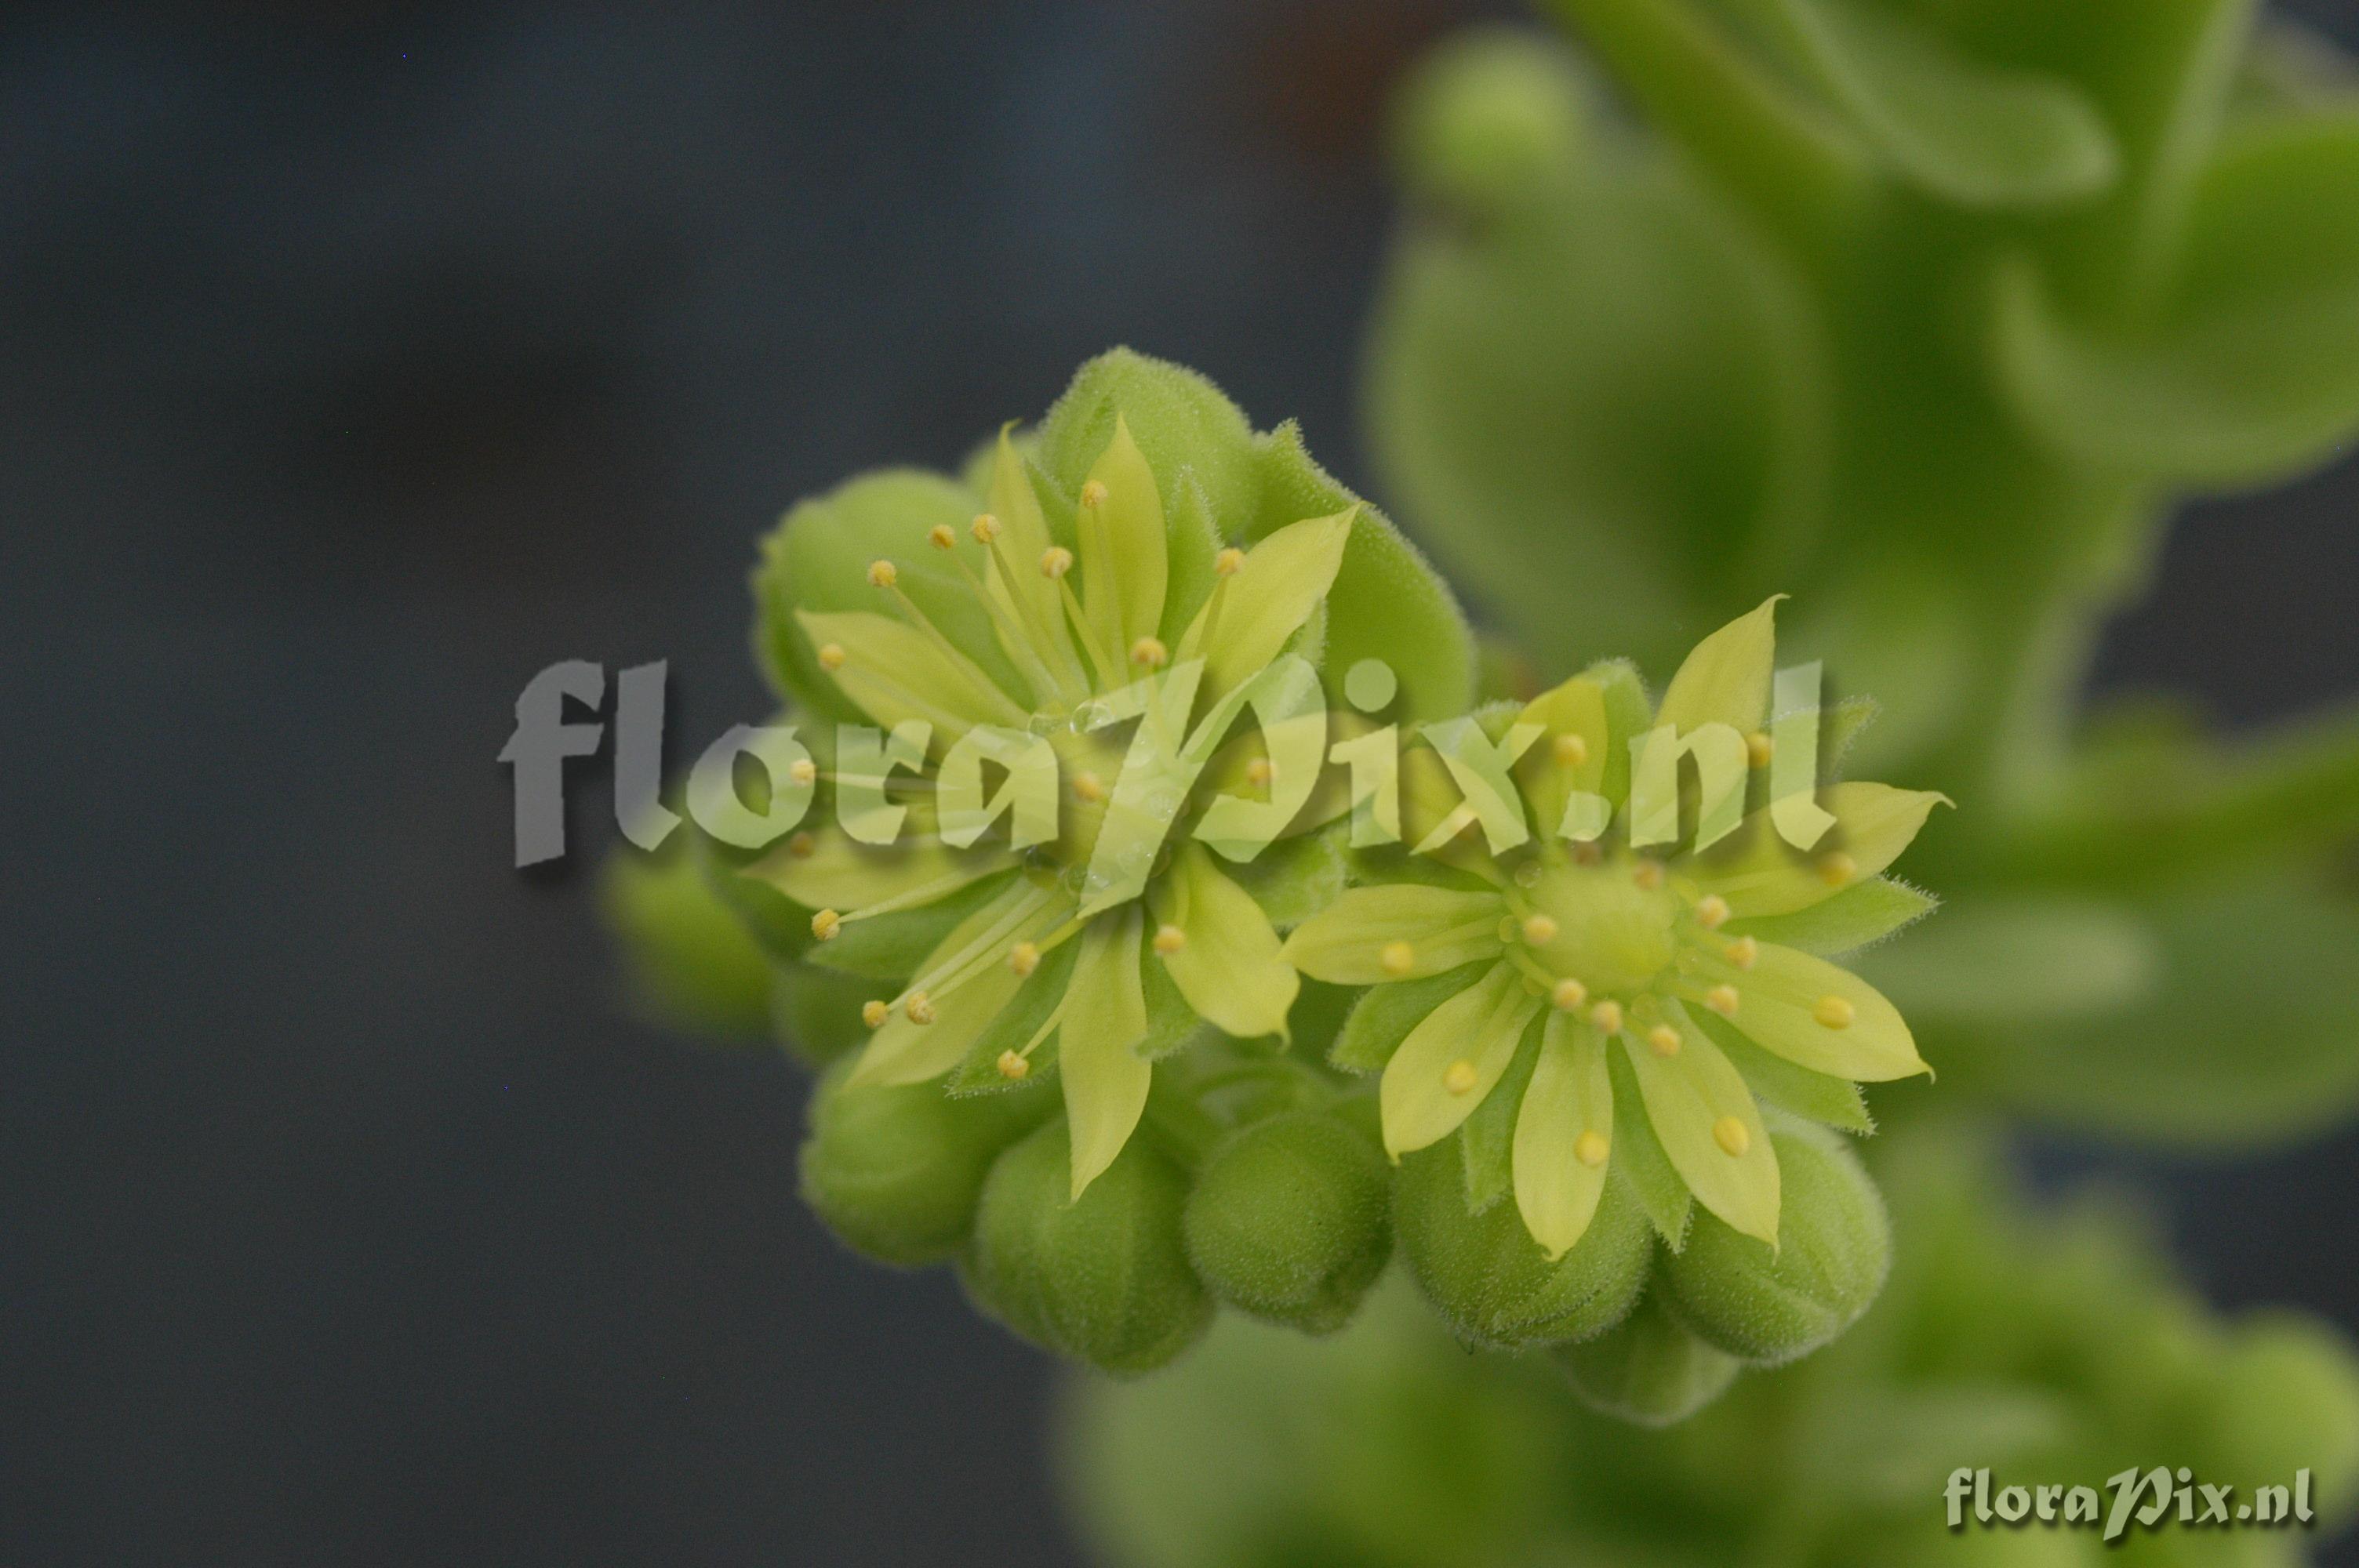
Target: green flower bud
(1492,116)
(1104,1277)
(1649,1370)
(691,962)
(2287,1398)
(816,1013)
(1492,1282)
(1291,1219)
(896,1172)
(1766,1305)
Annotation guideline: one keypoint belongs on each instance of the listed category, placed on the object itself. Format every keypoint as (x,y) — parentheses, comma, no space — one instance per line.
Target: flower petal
(829,871)
(1105,1017)
(1125,552)
(1267,600)
(1230,967)
(1549,774)
(1345,944)
(1726,679)
(1569,1101)
(1759,873)
(1778,1010)
(1688,1096)
(894,671)
(1478,1027)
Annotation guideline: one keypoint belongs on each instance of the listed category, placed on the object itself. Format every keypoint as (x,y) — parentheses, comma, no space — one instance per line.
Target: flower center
(1610,933)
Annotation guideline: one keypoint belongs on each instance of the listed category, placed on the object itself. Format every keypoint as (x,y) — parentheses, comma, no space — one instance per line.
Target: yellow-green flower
(1107,627)
(1624,1010)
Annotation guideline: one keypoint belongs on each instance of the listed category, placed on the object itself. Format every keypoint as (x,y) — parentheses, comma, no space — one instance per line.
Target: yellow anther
(1837,870)
(1169,939)
(1024,957)
(1731,1136)
(1663,1040)
(1711,911)
(1093,493)
(1833,1012)
(1757,749)
(873,1013)
(1539,930)
(883,574)
(831,656)
(1567,995)
(1056,561)
(1649,875)
(1089,787)
(941,536)
(1012,1065)
(1398,957)
(985,528)
(1258,773)
(1745,952)
(826,924)
(1150,652)
(1606,1017)
(1228,561)
(1459,1077)
(802,846)
(920,1007)
(803,770)
(1572,751)
(1587,853)
(1722,1000)
(1590,1148)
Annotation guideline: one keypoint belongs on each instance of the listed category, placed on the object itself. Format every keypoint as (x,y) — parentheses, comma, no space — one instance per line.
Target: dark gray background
(354,369)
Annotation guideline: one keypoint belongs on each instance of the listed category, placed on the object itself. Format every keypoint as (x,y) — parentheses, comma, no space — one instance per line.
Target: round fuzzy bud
(2286,1396)
(1648,1369)
(1291,1219)
(1104,1277)
(1489,1279)
(1834,1246)
(896,1171)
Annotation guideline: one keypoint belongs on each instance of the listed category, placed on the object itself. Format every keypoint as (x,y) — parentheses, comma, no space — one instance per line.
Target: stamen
(1228,561)
(826,924)
(1012,1065)
(1663,1040)
(1722,1000)
(1757,750)
(1606,1017)
(1837,870)
(1745,952)
(1056,561)
(1169,939)
(1539,930)
(804,771)
(1089,787)
(883,574)
(1150,652)
(985,528)
(802,846)
(873,1013)
(941,536)
(1024,957)
(1711,911)
(1459,1076)
(1731,1136)
(1398,957)
(1591,1148)
(1648,875)
(1258,773)
(1567,995)
(1093,493)
(1834,1012)
(830,656)
(920,1008)
(1570,750)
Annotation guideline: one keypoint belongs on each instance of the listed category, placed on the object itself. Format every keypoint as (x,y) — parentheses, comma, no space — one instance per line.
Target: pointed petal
(1759,873)
(1479,1027)
(1345,943)
(1569,1098)
(1726,679)
(1230,968)
(1688,1096)
(906,1051)
(1272,593)
(1105,1017)
(1778,1010)
(829,871)
(1554,770)
(1023,539)
(1125,554)
(893,671)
